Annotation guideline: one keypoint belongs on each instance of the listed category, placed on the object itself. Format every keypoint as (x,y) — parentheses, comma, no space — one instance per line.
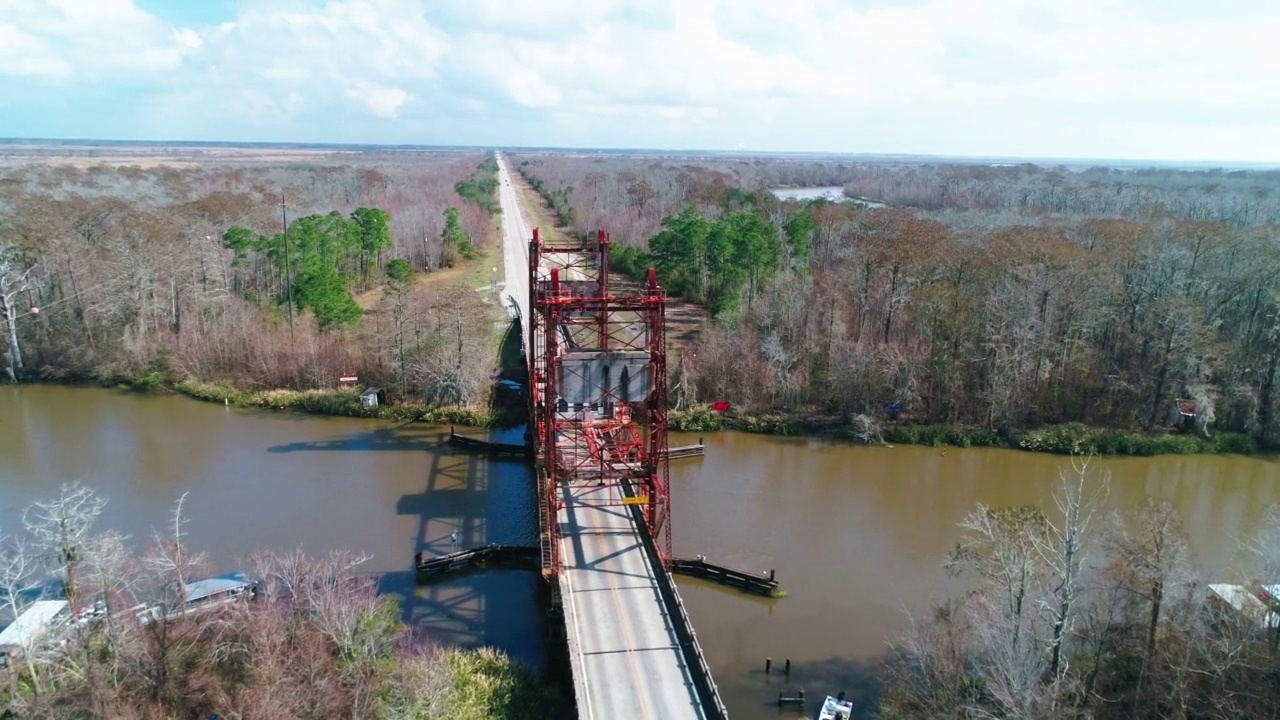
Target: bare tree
(1152,546)
(1061,550)
(107,572)
(20,578)
(1263,549)
(61,529)
(929,676)
(167,641)
(16,276)
(1002,548)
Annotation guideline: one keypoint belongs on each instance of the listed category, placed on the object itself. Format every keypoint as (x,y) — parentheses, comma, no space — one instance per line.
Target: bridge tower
(598,390)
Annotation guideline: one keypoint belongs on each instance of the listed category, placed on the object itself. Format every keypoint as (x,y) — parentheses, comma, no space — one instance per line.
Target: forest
(316,640)
(179,272)
(1003,299)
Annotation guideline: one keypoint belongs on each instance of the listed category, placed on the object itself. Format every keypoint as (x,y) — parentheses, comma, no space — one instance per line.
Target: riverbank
(343,402)
(1061,439)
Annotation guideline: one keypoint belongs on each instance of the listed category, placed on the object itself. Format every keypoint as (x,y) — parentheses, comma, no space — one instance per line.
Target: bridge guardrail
(703,682)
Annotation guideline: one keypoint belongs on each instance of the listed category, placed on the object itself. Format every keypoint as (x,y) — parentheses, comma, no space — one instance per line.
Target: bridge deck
(622,642)
(623,646)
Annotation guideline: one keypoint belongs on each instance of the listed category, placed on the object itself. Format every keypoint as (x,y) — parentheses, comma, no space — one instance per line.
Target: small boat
(836,709)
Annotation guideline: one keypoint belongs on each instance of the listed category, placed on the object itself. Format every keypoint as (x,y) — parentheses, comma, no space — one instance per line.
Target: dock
(687,451)
(487,555)
(756,583)
(486,447)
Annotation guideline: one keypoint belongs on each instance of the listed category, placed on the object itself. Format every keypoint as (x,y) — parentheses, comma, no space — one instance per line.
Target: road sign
(638,500)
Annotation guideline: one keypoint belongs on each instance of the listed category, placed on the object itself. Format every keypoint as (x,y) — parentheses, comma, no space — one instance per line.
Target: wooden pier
(487,555)
(758,584)
(687,451)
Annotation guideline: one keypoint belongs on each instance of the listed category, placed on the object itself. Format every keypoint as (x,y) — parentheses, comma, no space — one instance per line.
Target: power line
(118,278)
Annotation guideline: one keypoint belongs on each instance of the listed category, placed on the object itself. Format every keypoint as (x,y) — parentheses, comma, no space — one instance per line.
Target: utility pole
(288,276)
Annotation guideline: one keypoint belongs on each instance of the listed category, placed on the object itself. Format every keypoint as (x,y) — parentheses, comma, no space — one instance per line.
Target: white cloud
(188,39)
(24,54)
(378,100)
(1086,78)
(89,39)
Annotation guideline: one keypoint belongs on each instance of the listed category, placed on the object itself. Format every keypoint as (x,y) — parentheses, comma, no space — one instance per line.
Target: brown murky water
(278,481)
(857,534)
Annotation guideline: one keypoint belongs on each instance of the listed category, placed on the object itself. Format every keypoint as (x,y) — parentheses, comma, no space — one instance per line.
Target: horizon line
(1015,159)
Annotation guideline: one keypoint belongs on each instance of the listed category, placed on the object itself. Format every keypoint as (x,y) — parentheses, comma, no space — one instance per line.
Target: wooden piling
(797,699)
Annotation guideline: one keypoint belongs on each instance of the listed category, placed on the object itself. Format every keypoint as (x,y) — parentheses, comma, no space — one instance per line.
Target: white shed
(28,627)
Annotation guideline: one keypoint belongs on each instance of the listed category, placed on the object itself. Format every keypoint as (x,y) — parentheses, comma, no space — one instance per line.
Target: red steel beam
(611,441)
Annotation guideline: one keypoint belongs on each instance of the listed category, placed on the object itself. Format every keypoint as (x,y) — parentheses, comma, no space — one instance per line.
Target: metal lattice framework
(598,390)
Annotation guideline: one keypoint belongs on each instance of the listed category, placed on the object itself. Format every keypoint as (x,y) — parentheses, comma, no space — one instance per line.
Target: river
(833,193)
(856,534)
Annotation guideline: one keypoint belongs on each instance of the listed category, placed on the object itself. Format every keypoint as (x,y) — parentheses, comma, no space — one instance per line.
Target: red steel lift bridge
(598,390)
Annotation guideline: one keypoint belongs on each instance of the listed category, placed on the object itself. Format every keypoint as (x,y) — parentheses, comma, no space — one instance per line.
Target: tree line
(1007,322)
(1237,199)
(122,273)
(317,641)
(630,195)
(481,188)
(557,198)
(1075,613)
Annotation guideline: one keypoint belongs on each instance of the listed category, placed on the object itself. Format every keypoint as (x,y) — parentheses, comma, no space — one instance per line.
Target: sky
(1181,80)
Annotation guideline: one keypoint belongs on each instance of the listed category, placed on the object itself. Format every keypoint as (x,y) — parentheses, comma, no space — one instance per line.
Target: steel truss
(598,390)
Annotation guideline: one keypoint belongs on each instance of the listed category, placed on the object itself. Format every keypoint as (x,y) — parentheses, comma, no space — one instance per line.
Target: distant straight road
(515,249)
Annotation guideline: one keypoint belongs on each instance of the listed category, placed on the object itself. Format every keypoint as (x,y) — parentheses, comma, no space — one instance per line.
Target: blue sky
(189,13)
(1175,80)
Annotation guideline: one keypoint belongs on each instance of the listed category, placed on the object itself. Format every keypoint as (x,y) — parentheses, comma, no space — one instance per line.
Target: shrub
(696,418)
(1064,439)
(939,435)
(399,269)
(157,374)
(1235,443)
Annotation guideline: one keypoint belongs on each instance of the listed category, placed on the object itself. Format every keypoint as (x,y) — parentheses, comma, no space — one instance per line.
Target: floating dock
(699,567)
(687,451)
(487,555)
(485,447)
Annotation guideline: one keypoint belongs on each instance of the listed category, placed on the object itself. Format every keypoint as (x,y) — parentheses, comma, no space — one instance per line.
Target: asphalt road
(625,656)
(622,644)
(515,248)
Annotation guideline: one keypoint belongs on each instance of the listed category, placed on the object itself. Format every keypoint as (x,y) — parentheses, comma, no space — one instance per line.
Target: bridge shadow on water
(466,502)
(479,501)
(405,437)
